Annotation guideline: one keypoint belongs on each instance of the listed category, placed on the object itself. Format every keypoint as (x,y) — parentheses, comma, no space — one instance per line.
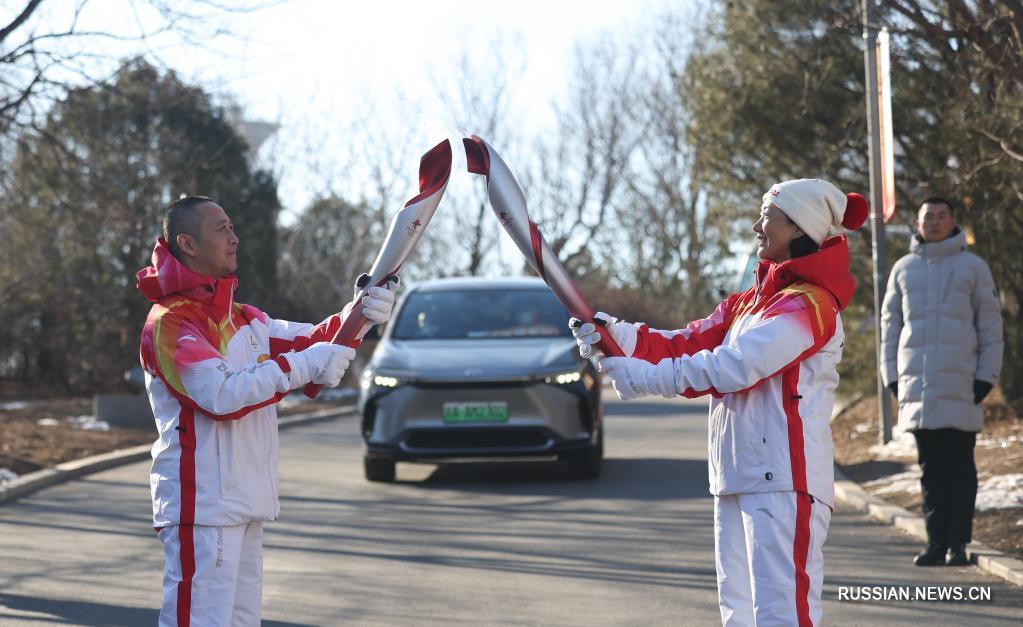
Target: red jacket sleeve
(653,345)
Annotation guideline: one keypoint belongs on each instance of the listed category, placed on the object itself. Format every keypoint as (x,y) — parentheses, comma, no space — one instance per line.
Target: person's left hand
(377,301)
(980,390)
(632,378)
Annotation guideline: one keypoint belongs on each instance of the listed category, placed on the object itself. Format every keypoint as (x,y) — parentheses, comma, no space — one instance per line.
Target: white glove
(632,378)
(586,335)
(377,302)
(322,363)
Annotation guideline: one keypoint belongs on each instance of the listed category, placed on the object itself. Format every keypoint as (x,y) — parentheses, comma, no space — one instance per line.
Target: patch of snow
(902,445)
(1000,492)
(908,482)
(48,422)
(997,443)
(13,405)
(291,399)
(89,423)
(865,427)
(6,474)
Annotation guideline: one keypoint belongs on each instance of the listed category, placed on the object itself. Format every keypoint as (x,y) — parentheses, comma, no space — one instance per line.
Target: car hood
(488,359)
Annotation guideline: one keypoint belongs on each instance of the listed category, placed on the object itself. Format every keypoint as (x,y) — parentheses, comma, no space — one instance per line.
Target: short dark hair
(802,245)
(938,200)
(183,216)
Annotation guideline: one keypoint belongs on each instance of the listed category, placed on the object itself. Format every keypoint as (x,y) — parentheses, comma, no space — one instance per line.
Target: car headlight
(564,378)
(372,380)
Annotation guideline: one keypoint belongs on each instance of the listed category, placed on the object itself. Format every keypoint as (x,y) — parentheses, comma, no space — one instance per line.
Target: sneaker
(957,556)
(932,556)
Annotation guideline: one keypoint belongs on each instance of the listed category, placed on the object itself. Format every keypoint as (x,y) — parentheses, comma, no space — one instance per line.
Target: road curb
(74,469)
(987,559)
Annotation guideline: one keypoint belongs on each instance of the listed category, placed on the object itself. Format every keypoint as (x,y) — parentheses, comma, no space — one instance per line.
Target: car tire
(378,469)
(585,464)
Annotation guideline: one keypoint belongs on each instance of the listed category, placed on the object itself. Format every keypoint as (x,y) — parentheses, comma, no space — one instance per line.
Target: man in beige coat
(941,335)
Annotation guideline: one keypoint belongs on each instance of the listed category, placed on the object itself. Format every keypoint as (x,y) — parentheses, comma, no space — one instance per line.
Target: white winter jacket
(941,328)
(768,357)
(214,371)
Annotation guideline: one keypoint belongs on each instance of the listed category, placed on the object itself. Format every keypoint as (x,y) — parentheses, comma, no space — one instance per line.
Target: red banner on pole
(884,94)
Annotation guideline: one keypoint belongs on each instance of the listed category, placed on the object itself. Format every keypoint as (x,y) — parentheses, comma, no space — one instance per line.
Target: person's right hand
(587,336)
(323,363)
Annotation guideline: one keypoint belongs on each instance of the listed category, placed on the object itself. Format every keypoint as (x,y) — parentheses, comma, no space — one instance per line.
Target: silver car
(480,368)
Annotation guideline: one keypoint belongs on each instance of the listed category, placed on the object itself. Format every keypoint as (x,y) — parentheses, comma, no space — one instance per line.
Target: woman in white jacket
(768,359)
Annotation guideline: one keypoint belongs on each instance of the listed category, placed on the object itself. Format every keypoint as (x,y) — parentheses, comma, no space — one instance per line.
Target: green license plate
(476,412)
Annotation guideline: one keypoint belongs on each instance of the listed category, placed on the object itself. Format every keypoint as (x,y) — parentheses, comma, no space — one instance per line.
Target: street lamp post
(876,203)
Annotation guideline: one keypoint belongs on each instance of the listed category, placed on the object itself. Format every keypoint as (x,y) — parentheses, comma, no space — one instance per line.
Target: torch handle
(347,336)
(607,344)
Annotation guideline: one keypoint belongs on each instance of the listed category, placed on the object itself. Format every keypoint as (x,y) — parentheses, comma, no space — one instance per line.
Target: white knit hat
(816,206)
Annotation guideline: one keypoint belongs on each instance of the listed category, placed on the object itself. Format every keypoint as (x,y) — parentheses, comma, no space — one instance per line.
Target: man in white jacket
(214,371)
(941,335)
(767,358)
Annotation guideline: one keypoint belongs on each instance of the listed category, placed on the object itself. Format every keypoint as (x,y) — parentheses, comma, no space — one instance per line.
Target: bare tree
(480,102)
(45,49)
(680,238)
(582,169)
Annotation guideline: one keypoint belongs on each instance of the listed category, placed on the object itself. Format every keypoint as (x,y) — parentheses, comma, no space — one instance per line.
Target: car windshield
(481,314)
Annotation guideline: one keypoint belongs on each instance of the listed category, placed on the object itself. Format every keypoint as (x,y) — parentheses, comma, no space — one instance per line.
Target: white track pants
(769,561)
(213,576)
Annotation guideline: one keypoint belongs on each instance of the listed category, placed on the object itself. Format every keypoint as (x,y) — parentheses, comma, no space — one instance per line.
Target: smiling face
(774,232)
(935,221)
(214,253)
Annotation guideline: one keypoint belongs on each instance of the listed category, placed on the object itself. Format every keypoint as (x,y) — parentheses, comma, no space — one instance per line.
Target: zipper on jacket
(948,285)
(230,309)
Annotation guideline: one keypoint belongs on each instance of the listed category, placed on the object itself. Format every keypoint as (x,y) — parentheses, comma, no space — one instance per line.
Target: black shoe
(957,556)
(931,556)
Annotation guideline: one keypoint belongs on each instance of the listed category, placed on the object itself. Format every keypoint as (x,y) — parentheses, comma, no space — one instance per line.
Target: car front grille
(464,385)
(485,438)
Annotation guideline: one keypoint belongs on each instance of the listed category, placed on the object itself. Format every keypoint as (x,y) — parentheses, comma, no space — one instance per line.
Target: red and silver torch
(509,204)
(407,228)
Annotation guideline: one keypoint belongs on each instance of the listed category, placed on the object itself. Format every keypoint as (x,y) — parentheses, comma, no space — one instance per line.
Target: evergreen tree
(83,204)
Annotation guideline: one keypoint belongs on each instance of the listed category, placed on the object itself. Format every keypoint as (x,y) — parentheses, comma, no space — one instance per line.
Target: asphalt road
(467,544)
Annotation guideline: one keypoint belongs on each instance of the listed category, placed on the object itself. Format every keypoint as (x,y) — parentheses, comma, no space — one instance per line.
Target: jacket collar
(827,268)
(954,243)
(169,277)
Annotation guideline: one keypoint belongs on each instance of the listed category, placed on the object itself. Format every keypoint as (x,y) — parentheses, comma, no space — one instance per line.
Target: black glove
(894,387)
(980,390)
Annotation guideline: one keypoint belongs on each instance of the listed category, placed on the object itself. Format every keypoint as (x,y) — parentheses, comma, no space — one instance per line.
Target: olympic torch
(407,228)
(509,204)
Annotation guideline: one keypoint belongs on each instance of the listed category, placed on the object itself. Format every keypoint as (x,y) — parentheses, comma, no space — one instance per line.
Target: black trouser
(949,484)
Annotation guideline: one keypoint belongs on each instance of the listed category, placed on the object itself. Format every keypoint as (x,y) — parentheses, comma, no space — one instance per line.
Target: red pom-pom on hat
(856,210)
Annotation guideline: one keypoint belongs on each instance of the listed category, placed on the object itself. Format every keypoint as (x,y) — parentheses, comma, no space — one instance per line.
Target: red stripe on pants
(800,551)
(186,437)
(187,555)
(797,461)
